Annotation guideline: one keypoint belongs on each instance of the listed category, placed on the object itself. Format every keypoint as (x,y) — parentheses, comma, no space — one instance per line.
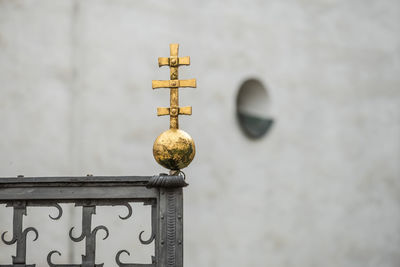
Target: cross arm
(174,83)
(173,61)
(174,111)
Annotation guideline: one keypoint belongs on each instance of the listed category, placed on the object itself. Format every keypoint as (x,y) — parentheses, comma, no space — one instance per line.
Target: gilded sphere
(174,149)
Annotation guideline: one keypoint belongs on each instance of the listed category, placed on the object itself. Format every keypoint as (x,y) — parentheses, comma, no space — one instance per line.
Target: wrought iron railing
(162,192)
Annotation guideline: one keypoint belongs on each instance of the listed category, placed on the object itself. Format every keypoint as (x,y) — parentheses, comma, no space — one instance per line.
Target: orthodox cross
(174,62)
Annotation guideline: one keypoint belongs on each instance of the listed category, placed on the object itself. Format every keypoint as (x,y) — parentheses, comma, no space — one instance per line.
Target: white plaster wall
(322,189)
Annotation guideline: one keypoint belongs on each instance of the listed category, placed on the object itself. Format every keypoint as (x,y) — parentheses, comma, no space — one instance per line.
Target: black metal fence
(162,192)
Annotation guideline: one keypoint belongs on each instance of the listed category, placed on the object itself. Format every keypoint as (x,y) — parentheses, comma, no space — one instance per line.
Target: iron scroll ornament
(88,210)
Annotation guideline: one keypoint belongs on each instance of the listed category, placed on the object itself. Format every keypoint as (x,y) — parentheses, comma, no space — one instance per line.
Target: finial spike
(174,50)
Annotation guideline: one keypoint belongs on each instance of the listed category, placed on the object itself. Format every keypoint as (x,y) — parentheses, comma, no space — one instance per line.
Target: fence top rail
(78,180)
(162,180)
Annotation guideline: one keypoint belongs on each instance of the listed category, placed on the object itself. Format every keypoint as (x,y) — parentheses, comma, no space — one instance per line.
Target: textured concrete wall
(322,189)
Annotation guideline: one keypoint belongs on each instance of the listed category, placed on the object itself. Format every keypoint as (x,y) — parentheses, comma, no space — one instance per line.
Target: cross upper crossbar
(173,61)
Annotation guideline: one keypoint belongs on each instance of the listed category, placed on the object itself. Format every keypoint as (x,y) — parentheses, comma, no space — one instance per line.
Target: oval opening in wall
(252,109)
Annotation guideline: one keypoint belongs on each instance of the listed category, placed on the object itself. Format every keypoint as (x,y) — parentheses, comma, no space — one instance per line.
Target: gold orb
(174,149)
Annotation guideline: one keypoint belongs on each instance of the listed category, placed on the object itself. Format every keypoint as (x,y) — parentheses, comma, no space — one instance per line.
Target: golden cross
(174,62)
